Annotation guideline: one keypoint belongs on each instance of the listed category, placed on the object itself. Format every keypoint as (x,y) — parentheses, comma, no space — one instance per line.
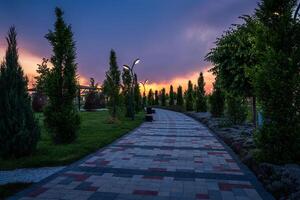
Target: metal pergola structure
(81,89)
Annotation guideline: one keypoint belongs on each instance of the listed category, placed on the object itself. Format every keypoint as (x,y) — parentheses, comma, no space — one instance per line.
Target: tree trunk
(254,112)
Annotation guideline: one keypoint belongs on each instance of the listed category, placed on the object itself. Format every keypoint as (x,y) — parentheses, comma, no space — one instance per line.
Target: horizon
(171,39)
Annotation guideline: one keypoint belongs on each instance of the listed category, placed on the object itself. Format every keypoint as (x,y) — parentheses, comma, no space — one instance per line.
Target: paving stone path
(172,158)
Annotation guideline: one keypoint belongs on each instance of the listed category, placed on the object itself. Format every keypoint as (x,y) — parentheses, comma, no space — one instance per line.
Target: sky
(171,37)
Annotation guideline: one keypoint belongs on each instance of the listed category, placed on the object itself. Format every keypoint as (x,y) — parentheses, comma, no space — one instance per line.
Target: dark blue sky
(170,36)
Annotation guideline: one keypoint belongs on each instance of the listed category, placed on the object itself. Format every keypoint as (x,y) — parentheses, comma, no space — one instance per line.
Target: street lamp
(126,67)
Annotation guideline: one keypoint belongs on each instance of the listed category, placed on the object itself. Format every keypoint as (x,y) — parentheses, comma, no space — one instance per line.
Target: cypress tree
(126,78)
(156,98)
(19,132)
(217,100)
(150,98)
(61,117)
(179,101)
(200,95)
(189,97)
(113,83)
(171,94)
(163,97)
(137,95)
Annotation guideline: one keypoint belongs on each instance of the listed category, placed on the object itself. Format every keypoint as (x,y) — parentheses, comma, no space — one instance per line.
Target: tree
(41,80)
(163,97)
(39,98)
(61,117)
(137,95)
(150,98)
(277,81)
(235,60)
(217,101)
(171,95)
(179,100)
(92,100)
(19,131)
(200,95)
(189,102)
(236,109)
(112,83)
(126,78)
(156,98)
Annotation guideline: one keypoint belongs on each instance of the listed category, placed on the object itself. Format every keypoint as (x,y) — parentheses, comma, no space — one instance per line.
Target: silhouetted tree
(61,117)
(189,97)
(112,84)
(179,100)
(163,97)
(150,98)
(137,95)
(171,95)
(19,131)
(126,77)
(200,95)
(156,98)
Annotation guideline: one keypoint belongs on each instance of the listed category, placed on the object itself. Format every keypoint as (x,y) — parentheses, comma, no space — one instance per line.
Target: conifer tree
(113,83)
(150,98)
(200,95)
(156,98)
(19,132)
(171,95)
(217,100)
(137,95)
(61,117)
(163,97)
(126,78)
(179,101)
(189,97)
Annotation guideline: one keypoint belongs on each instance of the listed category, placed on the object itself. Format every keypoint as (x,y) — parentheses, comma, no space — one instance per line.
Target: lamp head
(126,67)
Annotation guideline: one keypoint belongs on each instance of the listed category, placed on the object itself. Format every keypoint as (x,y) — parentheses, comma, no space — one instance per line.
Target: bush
(39,101)
(217,102)
(236,110)
(62,123)
(94,101)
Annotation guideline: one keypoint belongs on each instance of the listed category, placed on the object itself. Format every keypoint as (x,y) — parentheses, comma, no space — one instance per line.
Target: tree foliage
(179,99)
(150,98)
(112,84)
(171,96)
(236,109)
(156,98)
(127,81)
(200,95)
(163,97)
(137,95)
(277,81)
(217,101)
(19,132)
(189,102)
(61,117)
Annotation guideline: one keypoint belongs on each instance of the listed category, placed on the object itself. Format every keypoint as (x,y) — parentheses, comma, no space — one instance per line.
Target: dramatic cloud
(171,37)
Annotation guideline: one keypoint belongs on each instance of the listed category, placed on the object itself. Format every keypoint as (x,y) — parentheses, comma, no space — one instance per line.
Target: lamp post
(126,67)
(144,94)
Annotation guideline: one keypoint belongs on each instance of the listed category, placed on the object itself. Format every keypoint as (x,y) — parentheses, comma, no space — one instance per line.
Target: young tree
(171,95)
(137,95)
(19,131)
(150,98)
(179,100)
(61,117)
(200,95)
(126,78)
(217,101)
(39,98)
(189,102)
(163,97)
(156,98)
(112,83)
(92,100)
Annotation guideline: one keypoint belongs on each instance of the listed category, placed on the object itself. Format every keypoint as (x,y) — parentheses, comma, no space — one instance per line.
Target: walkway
(172,158)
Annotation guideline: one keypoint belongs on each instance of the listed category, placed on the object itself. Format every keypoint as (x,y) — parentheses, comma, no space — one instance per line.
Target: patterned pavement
(171,158)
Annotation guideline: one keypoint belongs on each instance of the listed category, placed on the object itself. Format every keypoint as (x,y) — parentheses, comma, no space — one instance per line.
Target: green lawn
(95,132)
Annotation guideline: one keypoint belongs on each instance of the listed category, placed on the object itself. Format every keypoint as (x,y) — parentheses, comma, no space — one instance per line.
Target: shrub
(39,101)
(236,110)
(217,101)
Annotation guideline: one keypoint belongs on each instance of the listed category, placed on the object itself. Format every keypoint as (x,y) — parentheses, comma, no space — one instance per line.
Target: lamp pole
(126,67)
